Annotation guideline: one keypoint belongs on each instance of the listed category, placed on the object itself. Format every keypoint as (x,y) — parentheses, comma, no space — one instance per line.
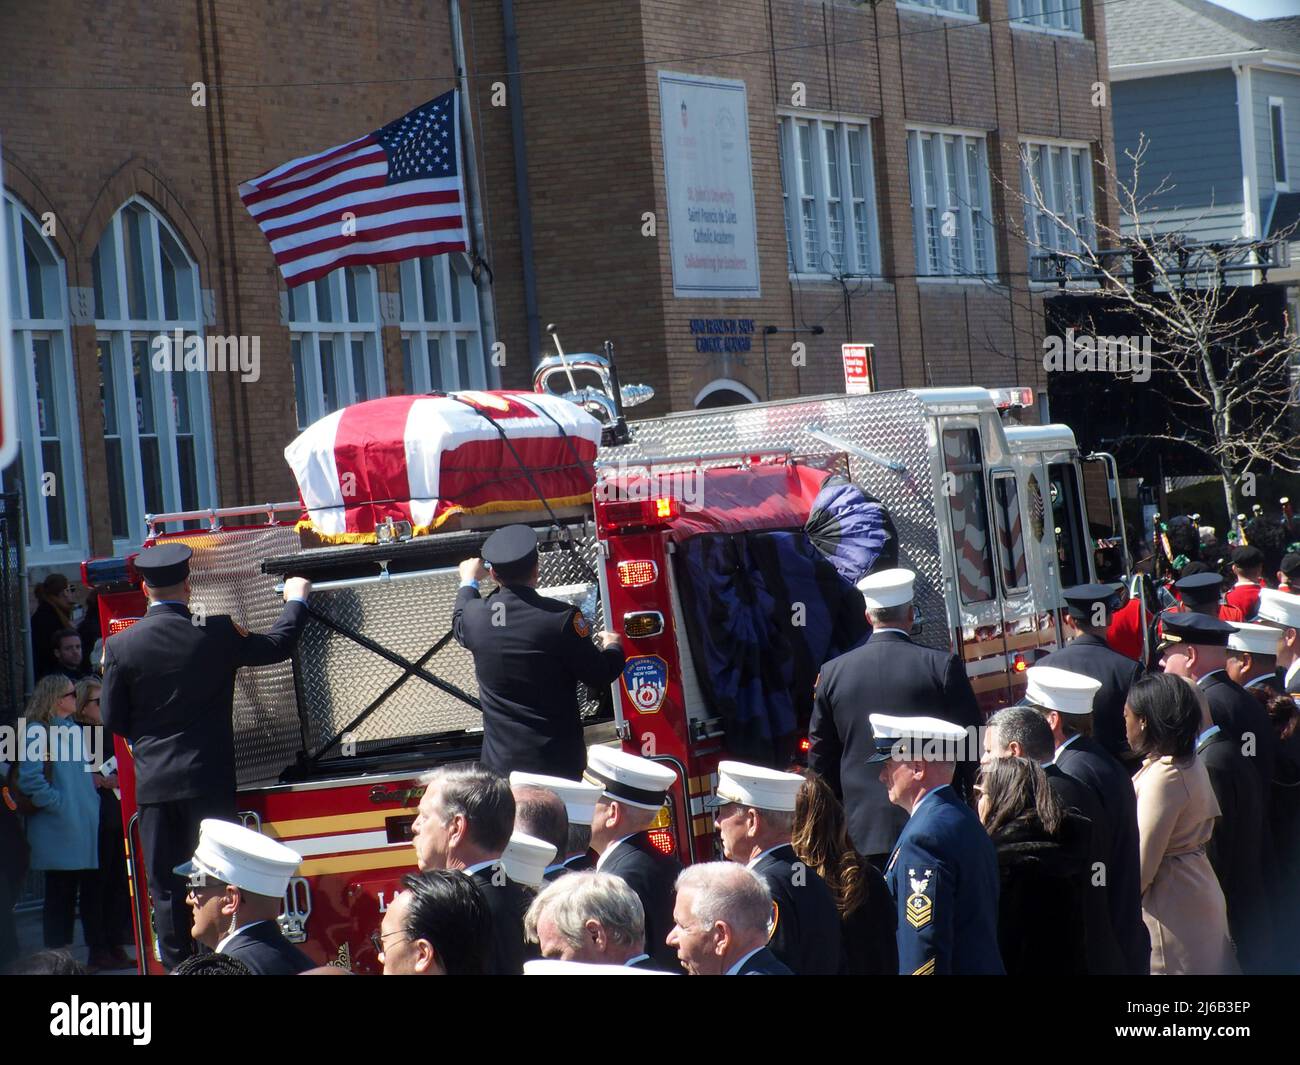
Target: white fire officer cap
(232,854)
(578,796)
(627,778)
(753,785)
(525,859)
(1256,639)
(889,587)
(1060,690)
(904,735)
(1279,608)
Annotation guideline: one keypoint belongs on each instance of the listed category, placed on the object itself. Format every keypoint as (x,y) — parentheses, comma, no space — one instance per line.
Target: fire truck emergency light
(1012,398)
(642,623)
(638,513)
(1019,664)
(662,838)
(637,573)
(116,625)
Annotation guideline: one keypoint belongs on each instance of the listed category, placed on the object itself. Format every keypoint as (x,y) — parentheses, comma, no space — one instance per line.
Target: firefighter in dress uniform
(169,684)
(1064,700)
(754,814)
(237,879)
(579,800)
(633,791)
(943,873)
(888,671)
(1196,647)
(529,654)
(1088,611)
(1281,610)
(1252,656)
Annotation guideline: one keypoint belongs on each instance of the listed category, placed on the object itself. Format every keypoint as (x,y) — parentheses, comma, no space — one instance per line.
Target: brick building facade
(126,135)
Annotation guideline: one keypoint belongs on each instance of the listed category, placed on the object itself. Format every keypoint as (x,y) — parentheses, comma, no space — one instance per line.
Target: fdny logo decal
(645,679)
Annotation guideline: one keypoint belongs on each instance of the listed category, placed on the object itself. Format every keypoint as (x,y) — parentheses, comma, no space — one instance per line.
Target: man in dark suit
(1020,732)
(465,820)
(1088,612)
(593,918)
(721,922)
(578,799)
(891,674)
(169,685)
(1281,610)
(437,925)
(1236,849)
(529,652)
(540,813)
(1196,647)
(1064,700)
(633,791)
(754,814)
(237,879)
(944,872)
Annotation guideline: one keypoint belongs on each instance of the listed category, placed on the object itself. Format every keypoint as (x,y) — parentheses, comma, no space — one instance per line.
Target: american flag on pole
(391,195)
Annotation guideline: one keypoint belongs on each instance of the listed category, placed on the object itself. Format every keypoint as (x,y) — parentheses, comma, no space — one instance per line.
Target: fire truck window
(1071,540)
(968,509)
(1035,493)
(1011,538)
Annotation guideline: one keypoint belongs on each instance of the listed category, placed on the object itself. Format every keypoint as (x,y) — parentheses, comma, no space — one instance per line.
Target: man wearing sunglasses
(237,879)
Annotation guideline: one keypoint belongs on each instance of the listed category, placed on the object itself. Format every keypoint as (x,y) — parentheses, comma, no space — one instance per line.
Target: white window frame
(795,190)
(306,334)
(1278,104)
(419,326)
(970,217)
(1055,152)
(1047,16)
(68,486)
(120,333)
(962,9)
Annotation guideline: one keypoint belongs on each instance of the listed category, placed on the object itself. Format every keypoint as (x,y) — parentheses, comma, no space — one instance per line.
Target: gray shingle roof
(1149,31)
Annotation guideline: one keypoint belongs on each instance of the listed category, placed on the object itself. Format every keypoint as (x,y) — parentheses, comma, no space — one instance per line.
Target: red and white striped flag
(391,195)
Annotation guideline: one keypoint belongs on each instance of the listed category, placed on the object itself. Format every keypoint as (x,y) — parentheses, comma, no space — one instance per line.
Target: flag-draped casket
(426,459)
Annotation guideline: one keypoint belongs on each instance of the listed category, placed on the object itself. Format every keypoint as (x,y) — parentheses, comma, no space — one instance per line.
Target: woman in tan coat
(1182,902)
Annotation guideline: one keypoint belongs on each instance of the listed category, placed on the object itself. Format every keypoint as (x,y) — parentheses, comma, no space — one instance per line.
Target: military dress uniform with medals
(529,652)
(169,684)
(943,873)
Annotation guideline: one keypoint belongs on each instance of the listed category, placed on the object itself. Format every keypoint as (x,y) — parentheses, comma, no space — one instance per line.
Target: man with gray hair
(1021,732)
(589,917)
(465,820)
(722,913)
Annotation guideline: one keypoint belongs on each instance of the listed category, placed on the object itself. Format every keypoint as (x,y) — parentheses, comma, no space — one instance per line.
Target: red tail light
(805,745)
(1019,664)
(662,838)
(641,513)
(637,573)
(116,625)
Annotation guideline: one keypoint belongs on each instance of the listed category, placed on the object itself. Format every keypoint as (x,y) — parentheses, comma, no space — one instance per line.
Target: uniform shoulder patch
(920,907)
(580,625)
(239,628)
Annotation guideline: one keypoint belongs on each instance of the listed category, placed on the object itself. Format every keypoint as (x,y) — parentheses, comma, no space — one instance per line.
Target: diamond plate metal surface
(340,678)
(893,425)
(226,578)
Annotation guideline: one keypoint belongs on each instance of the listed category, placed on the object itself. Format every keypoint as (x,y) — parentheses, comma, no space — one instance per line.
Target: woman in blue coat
(64,830)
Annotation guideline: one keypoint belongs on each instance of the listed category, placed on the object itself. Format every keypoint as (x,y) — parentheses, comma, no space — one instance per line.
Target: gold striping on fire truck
(283,830)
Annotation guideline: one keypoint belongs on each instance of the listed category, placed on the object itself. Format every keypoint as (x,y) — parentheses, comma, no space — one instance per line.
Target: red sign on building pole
(8,359)
(857,368)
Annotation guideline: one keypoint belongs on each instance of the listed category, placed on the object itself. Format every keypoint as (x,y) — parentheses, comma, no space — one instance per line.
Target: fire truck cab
(330,747)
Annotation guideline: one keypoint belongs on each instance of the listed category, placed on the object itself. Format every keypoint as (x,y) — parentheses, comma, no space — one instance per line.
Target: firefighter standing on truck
(169,688)
(529,654)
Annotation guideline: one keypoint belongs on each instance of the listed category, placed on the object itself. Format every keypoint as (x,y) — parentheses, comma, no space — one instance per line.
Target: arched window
(157,426)
(442,345)
(334,341)
(49,464)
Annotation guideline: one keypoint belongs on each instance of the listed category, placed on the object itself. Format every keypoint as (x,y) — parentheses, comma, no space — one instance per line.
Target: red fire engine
(330,747)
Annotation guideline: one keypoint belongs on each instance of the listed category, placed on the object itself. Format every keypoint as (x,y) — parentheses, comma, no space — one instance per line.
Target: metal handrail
(212,514)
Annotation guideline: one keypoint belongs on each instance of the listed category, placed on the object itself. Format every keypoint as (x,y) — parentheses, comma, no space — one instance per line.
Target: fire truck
(994,519)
